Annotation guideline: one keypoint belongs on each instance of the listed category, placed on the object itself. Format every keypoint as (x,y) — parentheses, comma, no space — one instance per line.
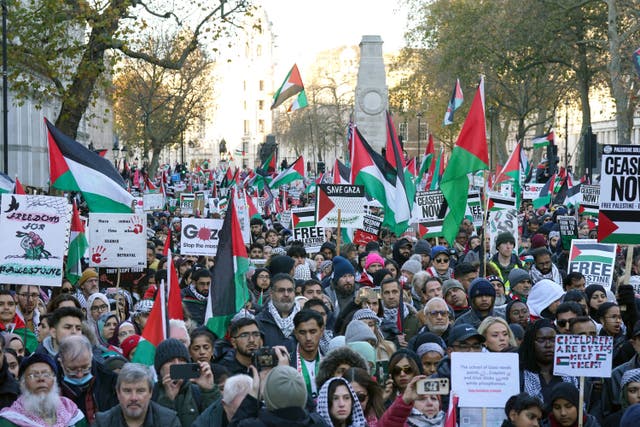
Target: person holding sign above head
(563,408)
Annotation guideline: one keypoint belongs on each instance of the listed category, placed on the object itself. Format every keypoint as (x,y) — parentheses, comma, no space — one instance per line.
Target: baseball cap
(463,332)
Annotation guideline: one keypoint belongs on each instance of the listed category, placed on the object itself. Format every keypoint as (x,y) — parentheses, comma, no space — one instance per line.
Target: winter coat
(213,416)
(589,421)
(190,402)
(9,388)
(249,415)
(195,307)
(157,415)
(271,331)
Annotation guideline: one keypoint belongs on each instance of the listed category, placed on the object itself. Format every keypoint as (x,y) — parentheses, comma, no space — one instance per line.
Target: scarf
(533,387)
(357,416)
(391,314)
(66,414)
(418,419)
(197,294)
(285,324)
(554,275)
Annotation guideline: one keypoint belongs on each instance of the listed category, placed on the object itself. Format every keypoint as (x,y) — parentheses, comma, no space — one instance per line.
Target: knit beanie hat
(481,286)
(412,266)
(422,247)
(631,416)
(357,330)
(170,349)
(538,241)
(281,264)
(373,258)
(366,313)
(450,284)
(87,274)
(504,238)
(336,342)
(129,343)
(284,387)
(341,266)
(566,391)
(428,347)
(517,275)
(37,358)
(367,352)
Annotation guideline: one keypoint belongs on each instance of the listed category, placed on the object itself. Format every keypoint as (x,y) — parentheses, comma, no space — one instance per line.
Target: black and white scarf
(197,294)
(285,324)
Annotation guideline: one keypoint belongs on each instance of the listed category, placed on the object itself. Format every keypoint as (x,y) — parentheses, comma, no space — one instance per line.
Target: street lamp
(566,134)
(5,91)
(419,116)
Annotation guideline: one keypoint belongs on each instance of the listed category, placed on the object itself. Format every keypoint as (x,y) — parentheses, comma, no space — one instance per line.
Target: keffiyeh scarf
(324,404)
(285,324)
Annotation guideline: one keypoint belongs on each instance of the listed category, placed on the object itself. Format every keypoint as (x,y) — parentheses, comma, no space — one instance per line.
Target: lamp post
(5,91)
(566,135)
(419,116)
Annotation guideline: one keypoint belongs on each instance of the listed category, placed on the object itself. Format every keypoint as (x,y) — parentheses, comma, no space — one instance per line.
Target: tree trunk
(155,160)
(618,89)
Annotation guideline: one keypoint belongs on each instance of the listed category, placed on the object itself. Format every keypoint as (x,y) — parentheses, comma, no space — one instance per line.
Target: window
(261,126)
(261,105)
(261,85)
(247,127)
(403,131)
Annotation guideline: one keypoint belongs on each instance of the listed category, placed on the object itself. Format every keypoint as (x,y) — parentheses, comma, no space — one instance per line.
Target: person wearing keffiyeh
(338,404)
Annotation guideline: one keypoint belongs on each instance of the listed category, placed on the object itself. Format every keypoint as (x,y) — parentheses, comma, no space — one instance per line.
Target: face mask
(79,381)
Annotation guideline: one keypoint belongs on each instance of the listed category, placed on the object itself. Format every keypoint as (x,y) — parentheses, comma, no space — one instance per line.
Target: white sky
(305,27)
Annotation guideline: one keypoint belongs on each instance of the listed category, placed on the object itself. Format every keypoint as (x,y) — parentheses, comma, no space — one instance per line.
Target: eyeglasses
(362,397)
(467,347)
(562,323)
(245,335)
(398,369)
(38,375)
(435,313)
(78,371)
(27,295)
(441,260)
(102,307)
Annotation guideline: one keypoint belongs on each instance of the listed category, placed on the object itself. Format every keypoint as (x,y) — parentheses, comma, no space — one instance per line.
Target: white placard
(117,240)
(502,221)
(153,201)
(530,191)
(34,235)
(138,206)
(583,356)
(200,236)
(484,380)
(311,237)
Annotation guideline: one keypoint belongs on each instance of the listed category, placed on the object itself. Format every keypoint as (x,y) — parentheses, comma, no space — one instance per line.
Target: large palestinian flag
(229,291)
(292,173)
(72,167)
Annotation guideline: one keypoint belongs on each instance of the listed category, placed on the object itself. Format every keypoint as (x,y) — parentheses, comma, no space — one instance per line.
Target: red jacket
(396,415)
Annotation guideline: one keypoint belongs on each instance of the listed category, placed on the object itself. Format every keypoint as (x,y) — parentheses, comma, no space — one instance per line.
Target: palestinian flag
(73,167)
(291,86)
(6,184)
(19,188)
(154,332)
(427,159)
(435,172)
(19,328)
(303,217)
(341,173)
(174,309)
(469,155)
(269,164)
(593,252)
(544,197)
(253,211)
(496,201)
(589,210)
(457,98)
(77,247)
(229,291)
(511,173)
(299,103)
(563,360)
(292,173)
(542,140)
(381,182)
(411,167)
(396,159)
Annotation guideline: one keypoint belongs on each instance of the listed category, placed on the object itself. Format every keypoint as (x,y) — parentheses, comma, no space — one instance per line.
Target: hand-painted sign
(117,240)
(583,356)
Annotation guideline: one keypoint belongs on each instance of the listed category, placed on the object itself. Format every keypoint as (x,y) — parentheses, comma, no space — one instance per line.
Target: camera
(264,358)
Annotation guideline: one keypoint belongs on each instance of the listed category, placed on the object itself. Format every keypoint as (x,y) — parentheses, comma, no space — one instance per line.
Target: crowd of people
(338,337)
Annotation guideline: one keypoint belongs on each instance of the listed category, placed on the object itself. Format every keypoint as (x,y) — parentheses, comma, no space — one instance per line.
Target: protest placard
(138,205)
(311,237)
(484,380)
(589,200)
(199,203)
(619,195)
(498,201)
(531,190)
(200,236)
(349,199)
(427,206)
(583,356)
(117,240)
(568,229)
(242,212)
(187,200)
(369,231)
(303,217)
(153,201)
(285,218)
(474,208)
(500,221)
(594,260)
(34,230)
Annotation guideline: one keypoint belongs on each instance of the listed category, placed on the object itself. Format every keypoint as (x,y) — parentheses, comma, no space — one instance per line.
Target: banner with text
(153,201)
(369,232)
(311,237)
(531,191)
(349,199)
(474,208)
(590,200)
(117,240)
(200,236)
(583,356)
(594,260)
(427,206)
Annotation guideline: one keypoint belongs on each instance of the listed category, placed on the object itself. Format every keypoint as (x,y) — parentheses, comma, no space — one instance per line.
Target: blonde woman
(498,335)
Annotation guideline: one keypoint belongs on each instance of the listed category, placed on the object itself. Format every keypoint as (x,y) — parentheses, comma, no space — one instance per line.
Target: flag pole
(339,233)
(484,225)
(117,288)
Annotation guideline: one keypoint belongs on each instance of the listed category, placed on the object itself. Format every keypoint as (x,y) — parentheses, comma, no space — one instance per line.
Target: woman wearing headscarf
(414,410)
(260,287)
(338,404)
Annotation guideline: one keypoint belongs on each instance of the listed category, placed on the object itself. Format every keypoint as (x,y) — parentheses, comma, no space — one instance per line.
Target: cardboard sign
(200,236)
(311,237)
(34,230)
(427,206)
(349,199)
(153,201)
(531,191)
(618,220)
(474,208)
(117,240)
(501,221)
(187,201)
(583,356)
(484,380)
(594,260)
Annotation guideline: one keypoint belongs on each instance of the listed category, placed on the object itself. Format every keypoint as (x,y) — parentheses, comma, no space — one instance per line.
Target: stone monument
(372,94)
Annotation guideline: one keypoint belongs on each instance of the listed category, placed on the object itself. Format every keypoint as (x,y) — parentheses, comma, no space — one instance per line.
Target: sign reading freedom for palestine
(619,195)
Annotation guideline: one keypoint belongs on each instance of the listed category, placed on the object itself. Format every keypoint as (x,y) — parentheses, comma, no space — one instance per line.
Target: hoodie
(397,257)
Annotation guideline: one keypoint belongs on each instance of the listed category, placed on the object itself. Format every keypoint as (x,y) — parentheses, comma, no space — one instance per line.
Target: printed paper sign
(427,206)
(34,230)
(303,217)
(589,200)
(117,240)
(200,236)
(583,356)
(501,221)
(369,231)
(349,199)
(531,191)
(311,237)
(138,206)
(484,380)
(187,200)
(153,201)
(568,229)
(594,260)
(474,208)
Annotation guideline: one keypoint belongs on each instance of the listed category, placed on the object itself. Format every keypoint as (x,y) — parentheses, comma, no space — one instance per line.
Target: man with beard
(40,402)
(194,297)
(309,328)
(10,321)
(275,320)
(134,386)
(543,267)
(341,292)
(437,317)
(401,251)
(391,292)
(483,297)
(245,339)
(27,302)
